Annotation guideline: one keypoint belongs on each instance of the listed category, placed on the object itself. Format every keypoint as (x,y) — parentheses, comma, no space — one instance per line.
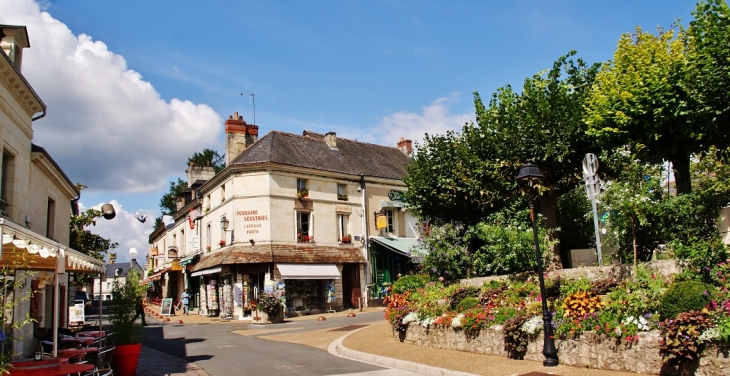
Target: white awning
(207,271)
(308,271)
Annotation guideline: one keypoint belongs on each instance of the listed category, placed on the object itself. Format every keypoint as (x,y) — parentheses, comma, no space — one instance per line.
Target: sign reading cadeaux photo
(252,222)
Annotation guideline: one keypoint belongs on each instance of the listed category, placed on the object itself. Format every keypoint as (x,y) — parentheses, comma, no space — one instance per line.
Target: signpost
(166,308)
(593,188)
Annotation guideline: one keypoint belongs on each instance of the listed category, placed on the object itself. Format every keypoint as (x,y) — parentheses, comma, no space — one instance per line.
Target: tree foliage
(168,202)
(208,157)
(84,240)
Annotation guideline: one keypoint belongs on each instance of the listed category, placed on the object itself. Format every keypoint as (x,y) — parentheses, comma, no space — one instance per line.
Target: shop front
(309,288)
(389,259)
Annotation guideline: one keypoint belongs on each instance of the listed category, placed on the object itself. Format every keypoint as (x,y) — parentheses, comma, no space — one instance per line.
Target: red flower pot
(126,358)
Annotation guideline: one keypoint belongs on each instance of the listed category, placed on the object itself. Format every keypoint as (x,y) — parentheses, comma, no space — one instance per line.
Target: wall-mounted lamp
(252,241)
(224,223)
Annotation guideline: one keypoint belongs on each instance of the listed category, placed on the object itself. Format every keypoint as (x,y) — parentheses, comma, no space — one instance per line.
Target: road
(225,349)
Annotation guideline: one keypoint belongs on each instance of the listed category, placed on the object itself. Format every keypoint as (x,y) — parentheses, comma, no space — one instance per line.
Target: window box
(302,193)
(342,197)
(221,243)
(347,239)
(304,238)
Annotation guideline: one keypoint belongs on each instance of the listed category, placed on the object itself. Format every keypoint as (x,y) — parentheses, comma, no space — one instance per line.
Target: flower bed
(647,322)
(589,350)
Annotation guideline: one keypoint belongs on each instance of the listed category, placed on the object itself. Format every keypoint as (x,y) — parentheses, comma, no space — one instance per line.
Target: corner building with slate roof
(290,214)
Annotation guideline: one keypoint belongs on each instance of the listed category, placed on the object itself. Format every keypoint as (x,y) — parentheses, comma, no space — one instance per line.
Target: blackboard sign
(166,308)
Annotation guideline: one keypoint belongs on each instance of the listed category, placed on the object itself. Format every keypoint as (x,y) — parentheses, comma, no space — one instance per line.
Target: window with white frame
(390,215)
(304,227)
(343,228)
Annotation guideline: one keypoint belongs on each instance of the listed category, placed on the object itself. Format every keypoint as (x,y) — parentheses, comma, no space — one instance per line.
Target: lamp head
(529,176)
(133,252)
(224,223)
(252,241)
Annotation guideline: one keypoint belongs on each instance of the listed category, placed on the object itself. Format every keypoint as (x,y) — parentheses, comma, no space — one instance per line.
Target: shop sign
(252,220)
(394,195)
(343,208)
(194,243)
(381,221)
(176,265)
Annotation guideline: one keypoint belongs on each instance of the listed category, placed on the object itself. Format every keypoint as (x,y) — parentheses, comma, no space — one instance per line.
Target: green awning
(189,260)
(403,246)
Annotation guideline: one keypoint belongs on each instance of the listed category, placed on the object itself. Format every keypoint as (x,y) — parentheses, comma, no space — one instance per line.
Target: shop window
(304,227)
(302,188)
(343,228)
(342,192)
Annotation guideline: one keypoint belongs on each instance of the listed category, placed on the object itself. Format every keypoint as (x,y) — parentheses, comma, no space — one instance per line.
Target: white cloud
(125,230)
(106,127)
(435,118)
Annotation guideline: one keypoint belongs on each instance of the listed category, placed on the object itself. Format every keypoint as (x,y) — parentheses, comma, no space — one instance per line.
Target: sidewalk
(371,343)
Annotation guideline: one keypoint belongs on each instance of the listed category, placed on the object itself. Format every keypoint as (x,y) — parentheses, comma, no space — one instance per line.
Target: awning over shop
(207,271)
(189,259)
(402,246)
(308,271)
(234,255)
(25,249)
(154,276)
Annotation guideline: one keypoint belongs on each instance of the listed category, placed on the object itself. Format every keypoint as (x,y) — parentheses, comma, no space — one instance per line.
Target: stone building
(290,214)
(36,201)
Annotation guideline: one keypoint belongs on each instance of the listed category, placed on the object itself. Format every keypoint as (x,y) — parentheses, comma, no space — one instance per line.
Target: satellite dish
(140,217)
(107,211)
(133,252)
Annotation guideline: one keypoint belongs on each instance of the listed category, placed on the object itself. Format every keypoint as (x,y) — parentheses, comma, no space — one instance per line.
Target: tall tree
(168,202)
(708,73)
(639,100)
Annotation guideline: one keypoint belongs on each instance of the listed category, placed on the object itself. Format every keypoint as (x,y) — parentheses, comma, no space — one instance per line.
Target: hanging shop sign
(176,265)
(381,221)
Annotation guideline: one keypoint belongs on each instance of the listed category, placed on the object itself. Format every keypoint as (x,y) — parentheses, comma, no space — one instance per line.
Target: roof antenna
(253,101)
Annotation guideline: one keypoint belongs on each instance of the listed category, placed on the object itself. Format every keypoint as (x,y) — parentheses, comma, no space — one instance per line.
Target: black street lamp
(528,178)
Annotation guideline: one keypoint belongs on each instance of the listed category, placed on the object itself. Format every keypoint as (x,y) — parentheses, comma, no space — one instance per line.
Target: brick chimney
(331,139)
(406,146)
(239,136)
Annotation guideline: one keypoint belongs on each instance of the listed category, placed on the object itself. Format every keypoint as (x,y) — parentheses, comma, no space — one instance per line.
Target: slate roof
(311,151)
(125,266)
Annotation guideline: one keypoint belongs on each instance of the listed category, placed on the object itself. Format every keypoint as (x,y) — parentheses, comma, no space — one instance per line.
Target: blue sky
(133,88)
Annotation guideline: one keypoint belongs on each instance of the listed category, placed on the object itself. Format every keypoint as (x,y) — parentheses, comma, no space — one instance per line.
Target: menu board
(76,314)
(166,308)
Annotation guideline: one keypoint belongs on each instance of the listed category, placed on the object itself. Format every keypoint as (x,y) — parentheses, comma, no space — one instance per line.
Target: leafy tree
(168,202)
(708,73)
(208,157)
(639,99)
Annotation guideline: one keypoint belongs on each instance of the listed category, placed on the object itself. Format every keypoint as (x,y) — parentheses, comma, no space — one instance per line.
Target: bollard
(321,318)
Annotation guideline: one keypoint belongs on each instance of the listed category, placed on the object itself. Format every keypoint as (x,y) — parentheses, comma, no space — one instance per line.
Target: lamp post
(528,178)
(224,226)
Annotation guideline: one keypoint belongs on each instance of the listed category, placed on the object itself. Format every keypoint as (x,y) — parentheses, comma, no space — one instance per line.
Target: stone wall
(619,272)
(588,350)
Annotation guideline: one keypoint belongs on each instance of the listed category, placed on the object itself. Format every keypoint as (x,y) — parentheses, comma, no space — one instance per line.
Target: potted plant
(302,193)
(221,243)
(207,249)
(342,197)
(270,309)
(304,238)
(347,239)
(126,296)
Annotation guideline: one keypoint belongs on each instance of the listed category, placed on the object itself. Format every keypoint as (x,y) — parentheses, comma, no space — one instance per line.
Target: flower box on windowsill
(342,197)
(302,193)
(221,243)
(346,240)
(304,238)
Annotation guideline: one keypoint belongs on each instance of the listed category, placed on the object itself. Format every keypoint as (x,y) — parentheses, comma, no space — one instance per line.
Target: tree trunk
(547,205)
(682,179)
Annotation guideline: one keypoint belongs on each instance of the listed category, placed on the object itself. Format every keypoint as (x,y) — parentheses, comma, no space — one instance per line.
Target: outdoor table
(91,333)
(86,341)
(70,353)
(48,367)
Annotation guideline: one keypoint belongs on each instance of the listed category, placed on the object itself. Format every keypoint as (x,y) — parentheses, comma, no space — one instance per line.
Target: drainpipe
(42,115)
(366,252)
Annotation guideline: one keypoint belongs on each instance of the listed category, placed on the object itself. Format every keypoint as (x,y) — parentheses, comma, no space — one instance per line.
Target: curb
(336,348)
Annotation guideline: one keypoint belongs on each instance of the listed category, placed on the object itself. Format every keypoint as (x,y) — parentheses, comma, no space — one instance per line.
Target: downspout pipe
(42,115)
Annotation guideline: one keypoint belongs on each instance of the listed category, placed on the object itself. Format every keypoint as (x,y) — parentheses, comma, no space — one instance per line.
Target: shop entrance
(350,286)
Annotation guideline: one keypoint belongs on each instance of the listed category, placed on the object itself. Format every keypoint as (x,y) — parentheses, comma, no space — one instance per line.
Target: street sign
(590,164)
(593,189)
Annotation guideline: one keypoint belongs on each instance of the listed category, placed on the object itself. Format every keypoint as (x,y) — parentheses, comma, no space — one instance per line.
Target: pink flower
(441,279)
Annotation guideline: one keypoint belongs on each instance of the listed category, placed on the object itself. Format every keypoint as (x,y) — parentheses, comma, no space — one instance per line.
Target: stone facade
(589,350)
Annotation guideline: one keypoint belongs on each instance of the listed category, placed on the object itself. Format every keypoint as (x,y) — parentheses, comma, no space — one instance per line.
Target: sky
(134,88)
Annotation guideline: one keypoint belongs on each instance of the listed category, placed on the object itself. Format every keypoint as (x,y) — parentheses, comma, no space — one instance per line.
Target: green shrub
(467,303)
(461,293)
(684,296)
(411,282)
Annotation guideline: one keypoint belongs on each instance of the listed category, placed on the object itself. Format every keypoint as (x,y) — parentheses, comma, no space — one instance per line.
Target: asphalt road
(220,352)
